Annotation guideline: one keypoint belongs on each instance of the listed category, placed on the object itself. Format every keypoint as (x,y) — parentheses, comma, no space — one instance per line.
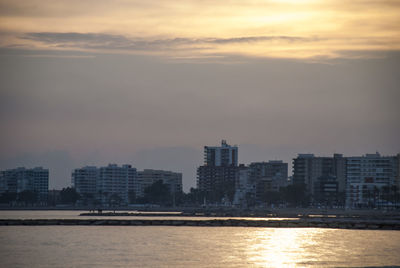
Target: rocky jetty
(299,223)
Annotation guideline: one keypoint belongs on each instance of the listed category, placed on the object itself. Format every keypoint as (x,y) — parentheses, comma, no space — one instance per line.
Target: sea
(182,246)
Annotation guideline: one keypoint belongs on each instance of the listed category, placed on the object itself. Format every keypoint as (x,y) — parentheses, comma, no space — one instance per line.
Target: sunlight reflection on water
(281,247)
(323,247)
(169,246)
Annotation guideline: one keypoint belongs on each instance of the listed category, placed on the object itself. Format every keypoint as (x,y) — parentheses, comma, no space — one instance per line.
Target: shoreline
(332,223)
(221,211)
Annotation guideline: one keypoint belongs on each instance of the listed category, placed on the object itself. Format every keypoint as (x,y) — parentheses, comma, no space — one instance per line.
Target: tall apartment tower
(218,174)
(366,175)
(224,155)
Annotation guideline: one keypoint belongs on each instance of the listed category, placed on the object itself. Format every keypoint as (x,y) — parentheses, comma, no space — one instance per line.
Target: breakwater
(302,223)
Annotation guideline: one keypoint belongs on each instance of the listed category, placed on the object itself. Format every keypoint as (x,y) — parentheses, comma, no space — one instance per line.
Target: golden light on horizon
(278,28)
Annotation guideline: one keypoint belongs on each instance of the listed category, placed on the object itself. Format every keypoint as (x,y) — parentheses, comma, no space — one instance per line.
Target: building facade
(326,191)
(276,171)
(257,180)
(224,155)
(149,176)
(116,182)
(367,176)
(217,176)
(308,169)
(120,185)
(84,181)
(107,185)
(22,179)
(245,188)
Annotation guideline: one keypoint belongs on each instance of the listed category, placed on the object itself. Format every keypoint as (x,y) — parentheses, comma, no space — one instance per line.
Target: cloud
(120,42)
(197,49)
(264,29)
(260,39)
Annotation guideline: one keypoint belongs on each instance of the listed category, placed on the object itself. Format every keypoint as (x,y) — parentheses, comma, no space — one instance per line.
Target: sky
(149,83)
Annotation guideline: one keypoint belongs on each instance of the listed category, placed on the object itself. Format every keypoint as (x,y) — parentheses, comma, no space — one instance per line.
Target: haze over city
(149,84)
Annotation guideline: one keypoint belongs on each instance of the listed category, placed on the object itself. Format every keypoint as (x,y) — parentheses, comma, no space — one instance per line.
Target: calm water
(169,246)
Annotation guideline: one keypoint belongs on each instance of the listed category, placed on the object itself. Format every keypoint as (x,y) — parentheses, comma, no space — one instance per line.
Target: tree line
(159,193)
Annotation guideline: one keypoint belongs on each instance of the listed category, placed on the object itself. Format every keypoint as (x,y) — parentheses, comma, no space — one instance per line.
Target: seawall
(302,223)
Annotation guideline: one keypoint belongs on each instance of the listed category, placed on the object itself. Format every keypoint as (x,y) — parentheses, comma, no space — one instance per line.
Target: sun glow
(280,28)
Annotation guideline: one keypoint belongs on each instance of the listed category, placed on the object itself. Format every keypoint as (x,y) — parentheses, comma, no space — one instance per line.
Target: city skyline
(193,182)
(151,83)
(350,181)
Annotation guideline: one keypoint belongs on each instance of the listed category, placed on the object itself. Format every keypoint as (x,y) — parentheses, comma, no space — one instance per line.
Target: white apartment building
(115,181)
(366,175)
(22,179)
(106,184)
(84,181)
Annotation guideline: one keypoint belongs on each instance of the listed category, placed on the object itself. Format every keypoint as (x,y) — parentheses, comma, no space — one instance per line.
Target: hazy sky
(151,82)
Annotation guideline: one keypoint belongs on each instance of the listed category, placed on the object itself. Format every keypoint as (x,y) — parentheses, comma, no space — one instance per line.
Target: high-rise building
(84,181)
(120,184)
(149,176)
(22,179)
(109,184)
(367,175)
(276,170)
(116,182)
(224,155)
(217,181)
(268,176)
(307,169)
(218,174)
